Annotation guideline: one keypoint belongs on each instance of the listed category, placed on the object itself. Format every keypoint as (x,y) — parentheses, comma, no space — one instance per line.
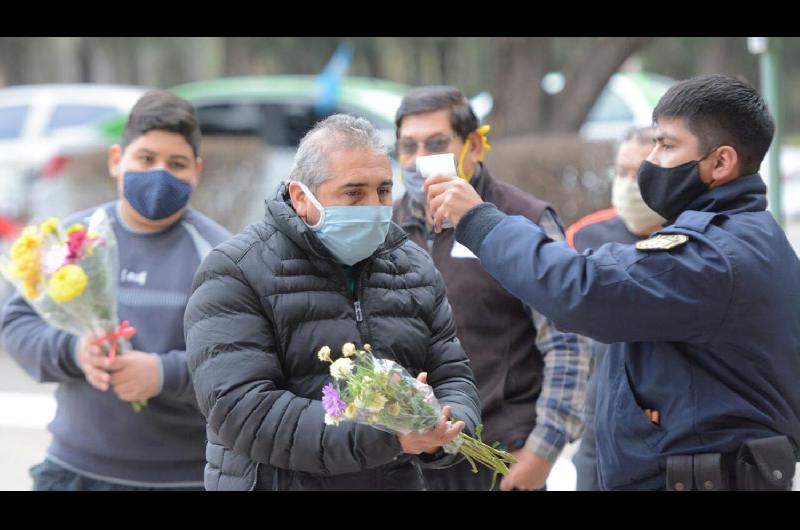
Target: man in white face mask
(627,221)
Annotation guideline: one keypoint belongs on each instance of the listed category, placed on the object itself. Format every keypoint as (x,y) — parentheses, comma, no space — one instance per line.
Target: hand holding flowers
(68,278)
(381,393)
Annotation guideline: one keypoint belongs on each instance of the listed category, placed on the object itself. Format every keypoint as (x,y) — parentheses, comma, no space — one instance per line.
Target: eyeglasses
(435,144)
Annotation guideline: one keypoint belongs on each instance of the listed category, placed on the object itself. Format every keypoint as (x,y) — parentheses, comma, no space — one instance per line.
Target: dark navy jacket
(708,333)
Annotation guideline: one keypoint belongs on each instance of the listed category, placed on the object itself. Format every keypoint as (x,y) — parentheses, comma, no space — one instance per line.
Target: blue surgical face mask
(413,181)
(350,233)
(156,194)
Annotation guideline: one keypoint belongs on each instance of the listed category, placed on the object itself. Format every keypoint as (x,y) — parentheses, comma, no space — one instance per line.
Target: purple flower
(332,401)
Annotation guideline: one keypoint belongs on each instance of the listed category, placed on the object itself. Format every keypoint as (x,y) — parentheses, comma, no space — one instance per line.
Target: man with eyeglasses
(530,376)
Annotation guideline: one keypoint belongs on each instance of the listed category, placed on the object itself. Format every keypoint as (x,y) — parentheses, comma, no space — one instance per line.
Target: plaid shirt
(567,362)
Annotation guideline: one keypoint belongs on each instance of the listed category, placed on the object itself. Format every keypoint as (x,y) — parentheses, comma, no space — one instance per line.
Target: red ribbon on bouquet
(123,331)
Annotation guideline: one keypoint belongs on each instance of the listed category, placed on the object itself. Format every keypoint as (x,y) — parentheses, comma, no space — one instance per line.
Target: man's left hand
(134,375)
(529,473)
(449,198)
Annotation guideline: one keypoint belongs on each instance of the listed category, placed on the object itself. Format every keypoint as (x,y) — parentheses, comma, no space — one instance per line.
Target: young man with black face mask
(99,442)
(699,388)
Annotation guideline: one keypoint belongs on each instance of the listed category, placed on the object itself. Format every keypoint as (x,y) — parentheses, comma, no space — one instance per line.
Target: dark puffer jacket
(263,304)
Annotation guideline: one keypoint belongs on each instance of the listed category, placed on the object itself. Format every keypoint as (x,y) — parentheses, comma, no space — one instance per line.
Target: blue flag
(330,79)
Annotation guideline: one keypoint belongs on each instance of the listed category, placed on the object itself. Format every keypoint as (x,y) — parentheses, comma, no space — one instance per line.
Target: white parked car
(37,121)
(627,100)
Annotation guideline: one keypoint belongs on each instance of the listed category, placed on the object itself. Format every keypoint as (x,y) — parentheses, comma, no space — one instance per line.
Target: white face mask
(626,198)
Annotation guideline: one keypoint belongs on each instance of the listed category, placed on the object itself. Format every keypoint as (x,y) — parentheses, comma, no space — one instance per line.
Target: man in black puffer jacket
(325,266)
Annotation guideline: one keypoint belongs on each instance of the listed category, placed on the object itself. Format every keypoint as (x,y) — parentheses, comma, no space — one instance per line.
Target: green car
(281,109)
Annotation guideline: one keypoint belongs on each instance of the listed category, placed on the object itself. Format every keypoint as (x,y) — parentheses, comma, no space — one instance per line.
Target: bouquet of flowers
(69,278)
(381,393)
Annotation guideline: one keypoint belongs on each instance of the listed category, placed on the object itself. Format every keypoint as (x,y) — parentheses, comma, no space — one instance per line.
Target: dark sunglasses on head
(436,144)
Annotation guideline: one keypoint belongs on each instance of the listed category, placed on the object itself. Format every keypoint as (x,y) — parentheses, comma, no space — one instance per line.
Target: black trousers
(461,478)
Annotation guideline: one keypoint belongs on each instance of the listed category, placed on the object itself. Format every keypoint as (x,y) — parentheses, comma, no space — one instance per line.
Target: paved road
(25,409)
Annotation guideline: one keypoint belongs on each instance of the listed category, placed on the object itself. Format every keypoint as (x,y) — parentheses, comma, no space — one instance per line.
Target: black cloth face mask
(668,190)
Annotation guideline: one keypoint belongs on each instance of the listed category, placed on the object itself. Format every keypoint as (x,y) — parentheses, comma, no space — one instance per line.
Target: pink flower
(76,243)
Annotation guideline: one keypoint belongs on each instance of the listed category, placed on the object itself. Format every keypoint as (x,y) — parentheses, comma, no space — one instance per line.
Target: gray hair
(642,135)
(340,131)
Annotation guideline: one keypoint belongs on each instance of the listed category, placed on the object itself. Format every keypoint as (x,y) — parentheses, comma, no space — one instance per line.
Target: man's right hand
(429,442)
(94,364)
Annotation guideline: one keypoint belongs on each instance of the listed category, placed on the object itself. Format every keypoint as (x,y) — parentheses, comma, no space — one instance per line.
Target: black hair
(432,98)
(162,111)
(722,110)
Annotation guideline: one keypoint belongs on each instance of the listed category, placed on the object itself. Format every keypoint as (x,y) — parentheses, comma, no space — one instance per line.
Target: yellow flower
(67,283)
(29,241)
(324,354)
(342,368)
(351,411)
(49,227)
(381,378)
(77,227)
(349,349)
(393,409)
(332,420)
(25,261)
(374,402)
(27,271)
(367,347)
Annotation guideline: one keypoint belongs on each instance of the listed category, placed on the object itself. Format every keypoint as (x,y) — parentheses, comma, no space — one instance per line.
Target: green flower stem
(493,458)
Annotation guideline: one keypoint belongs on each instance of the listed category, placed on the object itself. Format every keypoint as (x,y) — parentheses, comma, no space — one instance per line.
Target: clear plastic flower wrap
(68,276)
(381,393)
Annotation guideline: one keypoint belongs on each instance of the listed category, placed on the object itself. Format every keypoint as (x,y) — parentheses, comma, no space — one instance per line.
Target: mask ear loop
(316,204)
(400,168)
(485,146)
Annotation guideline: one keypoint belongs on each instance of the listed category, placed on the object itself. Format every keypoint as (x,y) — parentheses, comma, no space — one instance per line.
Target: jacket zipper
(360,322)
(354,298)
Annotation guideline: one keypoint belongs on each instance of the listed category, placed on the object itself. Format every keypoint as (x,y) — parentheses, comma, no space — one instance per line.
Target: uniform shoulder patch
(662,242)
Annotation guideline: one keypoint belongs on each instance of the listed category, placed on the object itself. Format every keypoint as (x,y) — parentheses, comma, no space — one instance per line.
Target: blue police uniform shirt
(707,332)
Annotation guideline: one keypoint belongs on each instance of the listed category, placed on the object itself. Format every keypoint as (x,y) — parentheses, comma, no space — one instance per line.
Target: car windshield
(11,121)
(74,115)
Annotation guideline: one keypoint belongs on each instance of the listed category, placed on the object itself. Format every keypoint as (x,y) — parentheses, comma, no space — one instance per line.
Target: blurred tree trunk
(520,64)
(236,55)
(370,58)
(714,56)
(521,106)
(586,77)
(84,52)
(12,60)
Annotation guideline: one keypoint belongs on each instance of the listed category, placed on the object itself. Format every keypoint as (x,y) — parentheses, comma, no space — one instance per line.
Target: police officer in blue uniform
(700,389)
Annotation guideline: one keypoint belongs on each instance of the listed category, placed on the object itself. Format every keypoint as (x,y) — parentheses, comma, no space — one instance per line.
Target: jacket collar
(744,194)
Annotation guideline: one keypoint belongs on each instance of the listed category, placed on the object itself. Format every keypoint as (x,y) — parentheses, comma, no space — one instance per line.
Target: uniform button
(679,486)
(777,474)
(708,485)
